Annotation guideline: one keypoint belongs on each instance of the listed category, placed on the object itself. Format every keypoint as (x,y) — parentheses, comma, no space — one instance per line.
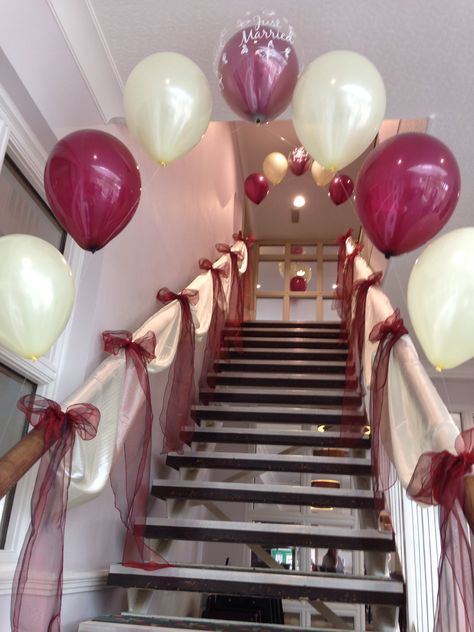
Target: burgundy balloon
(299,161)
(298,284)
(256,187)
(340,188)
(258,70)
(406,191)
(93,186)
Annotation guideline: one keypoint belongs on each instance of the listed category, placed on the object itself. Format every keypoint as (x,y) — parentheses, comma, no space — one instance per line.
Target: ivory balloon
(275,167)
(36,294)
(321,176)
(338,106)
(168,105)
(441,299)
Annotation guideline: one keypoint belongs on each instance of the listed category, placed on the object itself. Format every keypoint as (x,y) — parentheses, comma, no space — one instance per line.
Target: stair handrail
(92,460)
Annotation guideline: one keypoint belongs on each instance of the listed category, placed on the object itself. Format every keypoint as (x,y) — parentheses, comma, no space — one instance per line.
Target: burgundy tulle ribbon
(438,479)
(235,311)
(347,285)
(130,475)
(214,334)
(248,277)
(175,417)
(386,333)
(341,262)
(40,566)
(353,379)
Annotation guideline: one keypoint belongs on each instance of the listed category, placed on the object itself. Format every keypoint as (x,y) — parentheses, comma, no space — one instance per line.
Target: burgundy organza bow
(175,417)
(341,262)
(130,475)
(386,333)
(347,285)
(353,378)
(38,580)
(248,277)
(235,312)
(213,341)
(438,479)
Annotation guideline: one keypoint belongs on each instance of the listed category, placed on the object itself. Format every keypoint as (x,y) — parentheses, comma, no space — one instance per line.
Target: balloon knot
(34,358)
(387,255)
(163,163)
(438,368)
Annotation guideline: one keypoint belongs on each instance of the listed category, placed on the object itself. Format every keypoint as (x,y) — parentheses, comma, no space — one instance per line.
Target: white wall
(185,209)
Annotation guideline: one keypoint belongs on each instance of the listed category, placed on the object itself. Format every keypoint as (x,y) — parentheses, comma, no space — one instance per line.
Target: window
(12,387)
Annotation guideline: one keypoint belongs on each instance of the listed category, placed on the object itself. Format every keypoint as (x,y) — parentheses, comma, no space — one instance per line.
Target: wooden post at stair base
(21,458)
(469,501)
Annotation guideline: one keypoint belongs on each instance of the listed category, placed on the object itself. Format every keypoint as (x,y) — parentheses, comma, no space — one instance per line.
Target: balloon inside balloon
(256,187)
(258,70)
(299,161)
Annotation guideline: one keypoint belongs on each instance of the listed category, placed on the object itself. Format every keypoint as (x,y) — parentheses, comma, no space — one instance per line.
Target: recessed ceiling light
(299,201)
(258,286)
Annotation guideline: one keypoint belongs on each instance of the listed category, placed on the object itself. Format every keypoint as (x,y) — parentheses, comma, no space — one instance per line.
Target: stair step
(342,466)
(328,355)
(283,332)
(281,324)
(277,366)
(281,380)
(269,534)
(276,414)
(297,397)
(143,623)
(284,343)
(307,438)
(258,582)
(272,494)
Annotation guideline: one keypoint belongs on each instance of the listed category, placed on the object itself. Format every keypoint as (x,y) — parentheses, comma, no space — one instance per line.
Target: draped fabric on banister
(386,333)
(213,341)
(248,277)
(38,581)
(235,311)
(130,476)
(175,418)
(407,416)
(439,480)
(338,301)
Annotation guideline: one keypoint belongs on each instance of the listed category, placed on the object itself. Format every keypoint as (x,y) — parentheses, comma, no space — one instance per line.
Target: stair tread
(269,533)
(294,339)
(335,378)
(267,493)
(322,324)
(309,438)
(302,390)
(271,462)
(262,582)
(293,350)
(274,409)
(137,623)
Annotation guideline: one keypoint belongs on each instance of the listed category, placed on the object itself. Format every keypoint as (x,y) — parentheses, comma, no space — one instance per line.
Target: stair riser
(270,540)
(339,369)
(256,495)
(318,440)
(182,461)
(287,333)
(234,587)
(221,379)
(275,398)
(250,354)
(313,418)
(297,324)
(249,343)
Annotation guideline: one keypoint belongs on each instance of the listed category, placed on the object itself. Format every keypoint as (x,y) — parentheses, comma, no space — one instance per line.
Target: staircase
(275,385)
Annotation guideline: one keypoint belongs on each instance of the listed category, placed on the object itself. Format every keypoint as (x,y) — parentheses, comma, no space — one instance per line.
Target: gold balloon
(275,167)
(321,176)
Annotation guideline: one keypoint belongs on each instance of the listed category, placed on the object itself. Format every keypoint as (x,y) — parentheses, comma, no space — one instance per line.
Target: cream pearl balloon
(168,105)
(321,176)
(36,294)
(441,299)
(338,106)
(275,167)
